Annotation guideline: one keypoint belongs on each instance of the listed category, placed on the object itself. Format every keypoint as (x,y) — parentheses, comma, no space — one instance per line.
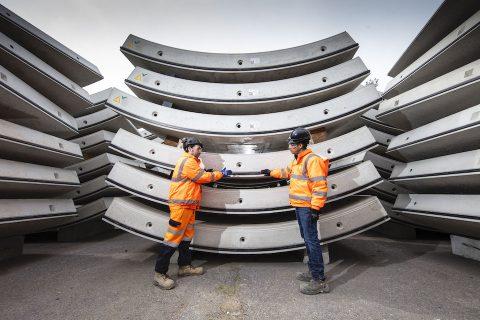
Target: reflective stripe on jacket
(186,188)
(308,180)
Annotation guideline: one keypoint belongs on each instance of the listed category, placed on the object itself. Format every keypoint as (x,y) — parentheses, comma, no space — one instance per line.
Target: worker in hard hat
(307,193)
(184,199)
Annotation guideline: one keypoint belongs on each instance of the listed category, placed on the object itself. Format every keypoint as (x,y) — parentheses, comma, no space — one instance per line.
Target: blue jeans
(309,233)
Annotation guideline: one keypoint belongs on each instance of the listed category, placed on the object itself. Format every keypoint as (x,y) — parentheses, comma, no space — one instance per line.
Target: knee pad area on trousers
(174,223)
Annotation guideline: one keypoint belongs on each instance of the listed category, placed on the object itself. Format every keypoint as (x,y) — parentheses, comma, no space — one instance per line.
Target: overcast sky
(96,29)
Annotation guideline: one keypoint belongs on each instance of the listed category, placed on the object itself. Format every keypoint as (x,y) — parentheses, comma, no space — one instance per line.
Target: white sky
(96,29)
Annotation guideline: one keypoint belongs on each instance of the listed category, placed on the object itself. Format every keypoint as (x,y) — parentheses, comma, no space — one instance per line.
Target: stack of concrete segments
(434,99)
(243,107)
(41,93)
(97,126)
(387,192)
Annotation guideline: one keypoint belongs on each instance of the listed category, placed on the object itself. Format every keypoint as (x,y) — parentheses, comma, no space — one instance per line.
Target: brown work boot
(189,271)
(304,276)
(163,281)
(315,287)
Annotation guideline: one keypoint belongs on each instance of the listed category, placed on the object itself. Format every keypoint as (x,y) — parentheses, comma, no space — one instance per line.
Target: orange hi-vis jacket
(186,188)
(308,180)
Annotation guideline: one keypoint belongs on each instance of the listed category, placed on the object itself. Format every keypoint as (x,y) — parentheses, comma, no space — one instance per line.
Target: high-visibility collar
(188,155)
(302,154)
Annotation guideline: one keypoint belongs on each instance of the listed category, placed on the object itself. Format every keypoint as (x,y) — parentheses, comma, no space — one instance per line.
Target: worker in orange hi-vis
(184,199)
(307,194)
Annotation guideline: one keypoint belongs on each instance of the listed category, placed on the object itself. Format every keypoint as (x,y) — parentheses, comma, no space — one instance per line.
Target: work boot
(304,276)
(163,281)
(315,287)
(189,271)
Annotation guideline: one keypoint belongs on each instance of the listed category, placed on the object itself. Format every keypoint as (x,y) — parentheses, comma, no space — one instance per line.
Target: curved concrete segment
(438,98)
(458,48)
(371,121)
(456,173)
(92,190)
(383,140)
(90,211)
(448,16)
(248,98)
(383,164)
(248,133)
(150,136)
(152,187)
(165,156)
(21,143)
(347,161)
(98,102)
(45,79)
(25,179)
(253,181)
(48,49)
(23,105)
(243,67)
(343,220)
(386,191)
(457,214)
(105,119)
(456,133)
(100,165)
(24,216)
(95,143)
(19,179)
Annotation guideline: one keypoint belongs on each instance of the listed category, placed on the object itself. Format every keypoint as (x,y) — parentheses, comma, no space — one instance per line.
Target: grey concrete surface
(110,277)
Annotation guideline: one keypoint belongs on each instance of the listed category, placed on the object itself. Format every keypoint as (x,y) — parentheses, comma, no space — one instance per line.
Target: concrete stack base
(393,229)
(11,247)
(83,230)
(465,247)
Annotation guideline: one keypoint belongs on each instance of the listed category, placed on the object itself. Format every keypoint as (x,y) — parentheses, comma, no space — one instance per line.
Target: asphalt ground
(110,277)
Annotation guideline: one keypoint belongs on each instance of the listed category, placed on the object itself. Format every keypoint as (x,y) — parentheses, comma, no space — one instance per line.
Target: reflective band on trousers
(184,201)
(295,197)
(319,193)
(212,177)
(190,226)
(177,232)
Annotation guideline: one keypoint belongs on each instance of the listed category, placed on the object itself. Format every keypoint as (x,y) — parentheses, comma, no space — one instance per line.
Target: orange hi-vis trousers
(180,226)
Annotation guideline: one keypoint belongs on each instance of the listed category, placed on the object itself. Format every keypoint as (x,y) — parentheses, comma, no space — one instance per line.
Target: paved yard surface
(110,277)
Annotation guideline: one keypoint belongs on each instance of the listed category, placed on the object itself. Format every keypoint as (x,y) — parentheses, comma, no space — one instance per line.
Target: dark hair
(304,144)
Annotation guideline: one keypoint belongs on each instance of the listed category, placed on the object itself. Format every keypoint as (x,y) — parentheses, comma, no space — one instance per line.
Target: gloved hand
(265,172)
(226,172)
(208,170)
(314,215)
